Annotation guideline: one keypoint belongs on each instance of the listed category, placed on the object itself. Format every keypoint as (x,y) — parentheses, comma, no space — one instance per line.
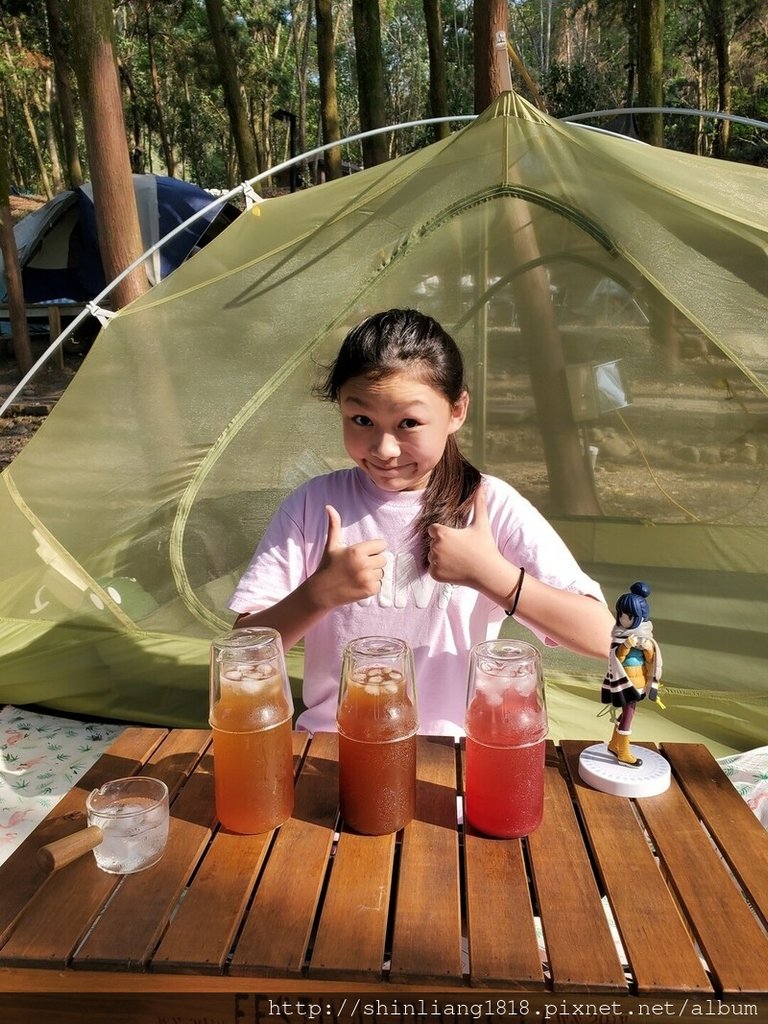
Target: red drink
(377,751)
(252,748)
(506,726)
(505,788)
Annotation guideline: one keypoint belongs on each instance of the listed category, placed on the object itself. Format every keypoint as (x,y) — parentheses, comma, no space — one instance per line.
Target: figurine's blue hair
(634,603)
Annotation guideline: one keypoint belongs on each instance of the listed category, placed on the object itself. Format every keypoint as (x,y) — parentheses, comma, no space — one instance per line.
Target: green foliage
(577,51)
(571,90)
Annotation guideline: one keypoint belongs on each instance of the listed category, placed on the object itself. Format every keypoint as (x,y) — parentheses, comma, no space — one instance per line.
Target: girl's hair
(406,340)
(634,603)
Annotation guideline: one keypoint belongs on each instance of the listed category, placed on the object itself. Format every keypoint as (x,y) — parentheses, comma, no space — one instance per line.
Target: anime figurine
(634,668)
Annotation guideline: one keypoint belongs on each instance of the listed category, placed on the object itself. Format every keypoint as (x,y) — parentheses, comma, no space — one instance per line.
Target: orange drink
(251,718)
(377,724)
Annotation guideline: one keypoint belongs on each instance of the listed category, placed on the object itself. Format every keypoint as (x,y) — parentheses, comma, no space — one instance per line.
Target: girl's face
(625,620)
(396,429)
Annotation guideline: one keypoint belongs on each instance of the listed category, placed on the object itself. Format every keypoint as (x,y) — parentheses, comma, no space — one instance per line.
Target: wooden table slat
(174,760)
(730,938)
(350,941)
(278,926)
(503,946)
(642,903)
(426,944)
(126,934)
(54,922)
(735,828)
(200,936)
(581,951)
(23,877)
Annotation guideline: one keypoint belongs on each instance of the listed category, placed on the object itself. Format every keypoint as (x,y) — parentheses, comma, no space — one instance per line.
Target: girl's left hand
(468,556)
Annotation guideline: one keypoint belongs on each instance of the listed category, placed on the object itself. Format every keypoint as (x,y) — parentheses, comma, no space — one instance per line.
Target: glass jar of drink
(506,727)
(251,710)
(377,722)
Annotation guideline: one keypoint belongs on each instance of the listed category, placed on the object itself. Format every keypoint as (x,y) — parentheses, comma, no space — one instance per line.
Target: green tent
(611,302)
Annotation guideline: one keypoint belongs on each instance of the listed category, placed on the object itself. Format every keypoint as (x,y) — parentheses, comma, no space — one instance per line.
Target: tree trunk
(23,100)
(56,34)
(19,330)
(701,104)
(720,19)
(137,151)
(170,160)
(37,149)
(233,96)
(50,136)
(117,220)
(650,68)
(370,78)
(300,36)
(571,484)
(492,76)
(259,117)
(329,107)
(438,88)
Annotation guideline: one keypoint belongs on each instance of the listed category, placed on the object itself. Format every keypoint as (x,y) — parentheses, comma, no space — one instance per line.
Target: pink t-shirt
(439,621)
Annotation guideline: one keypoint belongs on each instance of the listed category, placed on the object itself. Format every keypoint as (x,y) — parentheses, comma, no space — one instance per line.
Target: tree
(571,485)
(650,68)
(57,36)
(233,96)
(117,220)
(170,159)
(19,85)
(492,75)
(438,89)
(370,78)
(300,37)
(326,66)
(719,15)
(18,315)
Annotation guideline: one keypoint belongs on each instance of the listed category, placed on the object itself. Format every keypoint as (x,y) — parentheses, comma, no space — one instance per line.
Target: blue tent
(59,249)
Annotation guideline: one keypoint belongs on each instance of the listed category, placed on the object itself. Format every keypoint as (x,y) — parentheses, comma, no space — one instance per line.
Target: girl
(413,542)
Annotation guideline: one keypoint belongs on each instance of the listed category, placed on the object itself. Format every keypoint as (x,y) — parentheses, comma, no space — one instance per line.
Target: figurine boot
(619,747)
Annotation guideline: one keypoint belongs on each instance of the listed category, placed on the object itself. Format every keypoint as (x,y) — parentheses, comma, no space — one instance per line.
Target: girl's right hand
(348,573)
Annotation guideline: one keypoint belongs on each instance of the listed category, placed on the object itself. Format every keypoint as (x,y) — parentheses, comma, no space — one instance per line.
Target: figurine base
(599,768)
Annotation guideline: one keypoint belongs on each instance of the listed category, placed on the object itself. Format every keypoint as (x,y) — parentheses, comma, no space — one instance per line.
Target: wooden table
(225,926)
(49,312)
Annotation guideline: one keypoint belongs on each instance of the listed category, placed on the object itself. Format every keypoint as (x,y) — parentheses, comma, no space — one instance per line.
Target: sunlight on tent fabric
(610,300)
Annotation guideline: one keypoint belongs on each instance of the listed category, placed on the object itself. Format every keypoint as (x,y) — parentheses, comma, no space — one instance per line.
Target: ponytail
(449,494)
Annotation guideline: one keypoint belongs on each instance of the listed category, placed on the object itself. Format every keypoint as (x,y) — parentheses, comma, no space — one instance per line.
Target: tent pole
(239,189)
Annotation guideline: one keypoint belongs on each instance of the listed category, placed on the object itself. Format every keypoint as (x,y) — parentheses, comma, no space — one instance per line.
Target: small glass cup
(377,721)
(132,814)
(506,728)
(251,709)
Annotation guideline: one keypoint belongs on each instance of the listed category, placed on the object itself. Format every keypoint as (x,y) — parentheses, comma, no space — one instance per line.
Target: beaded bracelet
(516,593)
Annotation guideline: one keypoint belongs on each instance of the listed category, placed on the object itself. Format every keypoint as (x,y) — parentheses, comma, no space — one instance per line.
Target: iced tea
(252,749)
(377,750)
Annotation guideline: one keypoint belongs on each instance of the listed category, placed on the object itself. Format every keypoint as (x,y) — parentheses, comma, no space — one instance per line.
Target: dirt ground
(21,421)
(22,205)
(19,424)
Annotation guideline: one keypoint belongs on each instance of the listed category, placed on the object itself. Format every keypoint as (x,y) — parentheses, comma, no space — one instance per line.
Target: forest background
(391,61)
(217,92)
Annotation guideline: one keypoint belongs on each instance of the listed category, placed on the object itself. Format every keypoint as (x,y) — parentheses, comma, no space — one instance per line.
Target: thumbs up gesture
(468,556)
(348,573)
